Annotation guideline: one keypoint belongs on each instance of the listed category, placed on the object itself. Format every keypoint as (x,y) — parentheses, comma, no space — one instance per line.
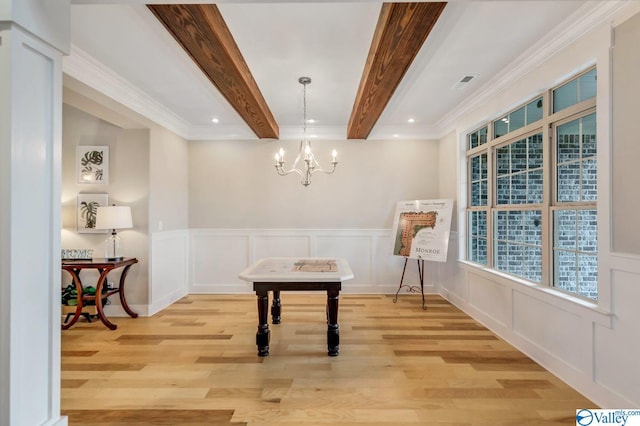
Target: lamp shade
(114,217)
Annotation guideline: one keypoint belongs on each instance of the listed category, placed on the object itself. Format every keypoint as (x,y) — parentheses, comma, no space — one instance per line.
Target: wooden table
(103,267)
(278,274)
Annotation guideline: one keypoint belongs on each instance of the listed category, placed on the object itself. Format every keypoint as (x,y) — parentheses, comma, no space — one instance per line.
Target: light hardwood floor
(195,363)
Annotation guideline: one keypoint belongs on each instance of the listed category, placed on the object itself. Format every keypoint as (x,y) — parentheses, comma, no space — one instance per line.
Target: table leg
(262,336)
(275,307)
(76,281)
(333,336)
(123,300)
(102,281)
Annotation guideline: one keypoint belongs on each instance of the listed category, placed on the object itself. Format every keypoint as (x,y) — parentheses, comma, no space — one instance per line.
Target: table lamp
(113,217)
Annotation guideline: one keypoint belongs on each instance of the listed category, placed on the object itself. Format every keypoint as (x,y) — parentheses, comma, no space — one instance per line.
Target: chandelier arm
(283,172)
(329,172)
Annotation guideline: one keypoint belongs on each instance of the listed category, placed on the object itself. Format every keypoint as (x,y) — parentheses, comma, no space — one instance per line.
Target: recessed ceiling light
(215,120)
(395,135)
(411,120)
(311,121)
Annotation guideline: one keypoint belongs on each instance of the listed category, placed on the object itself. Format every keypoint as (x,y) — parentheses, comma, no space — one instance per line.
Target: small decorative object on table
(76,254)
(113,217)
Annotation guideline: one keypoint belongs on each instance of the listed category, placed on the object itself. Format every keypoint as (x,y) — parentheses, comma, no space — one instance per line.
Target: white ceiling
(124,44)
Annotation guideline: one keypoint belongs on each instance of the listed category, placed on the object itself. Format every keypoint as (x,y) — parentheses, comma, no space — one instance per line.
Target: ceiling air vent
(464,81)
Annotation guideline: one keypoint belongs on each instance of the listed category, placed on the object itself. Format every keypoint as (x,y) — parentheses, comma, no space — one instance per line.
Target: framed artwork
(87,209)
(421,229)
(92,164)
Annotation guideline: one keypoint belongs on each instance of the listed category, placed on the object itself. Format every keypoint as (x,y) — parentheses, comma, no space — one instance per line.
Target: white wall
(625,147)
(240,210)
(218,256)
(30,145)
(169,181)
(128,185)
(448,187)
(617,348)
(593,348)
(233,184)
(169,268)
(168,218)
(49,21)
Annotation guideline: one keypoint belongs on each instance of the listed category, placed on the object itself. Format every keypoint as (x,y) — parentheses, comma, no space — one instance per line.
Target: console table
(278,274)
(103,266)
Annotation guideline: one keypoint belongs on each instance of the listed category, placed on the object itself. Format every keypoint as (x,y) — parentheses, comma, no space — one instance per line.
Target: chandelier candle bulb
(334,154)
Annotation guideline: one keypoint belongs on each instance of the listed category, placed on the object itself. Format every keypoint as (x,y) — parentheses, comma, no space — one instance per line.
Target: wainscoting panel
(216,260)
(217,256)
(617,349)
(169,268)
(593,350)
(389,268)
(539,323)
(357,252)
(491,298)
(282,246)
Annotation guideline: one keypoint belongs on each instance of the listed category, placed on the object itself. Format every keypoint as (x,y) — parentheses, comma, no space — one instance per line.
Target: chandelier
(305,163)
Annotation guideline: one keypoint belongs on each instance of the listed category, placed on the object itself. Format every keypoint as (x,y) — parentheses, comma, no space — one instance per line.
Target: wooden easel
(413,288)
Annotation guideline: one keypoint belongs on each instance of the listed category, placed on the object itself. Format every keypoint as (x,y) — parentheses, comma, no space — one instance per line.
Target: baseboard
(117,310)
(60,421)
(167,300)
(346,289)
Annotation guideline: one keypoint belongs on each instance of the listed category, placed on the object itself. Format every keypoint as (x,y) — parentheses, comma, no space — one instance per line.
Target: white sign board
(421,229)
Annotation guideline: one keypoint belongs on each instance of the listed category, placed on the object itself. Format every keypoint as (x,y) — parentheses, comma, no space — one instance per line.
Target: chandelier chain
(304,109)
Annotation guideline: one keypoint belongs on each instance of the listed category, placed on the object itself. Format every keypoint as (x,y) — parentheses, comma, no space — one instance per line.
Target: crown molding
(314,132)
(575,26)
(220,132)
(404,132)
(86,69)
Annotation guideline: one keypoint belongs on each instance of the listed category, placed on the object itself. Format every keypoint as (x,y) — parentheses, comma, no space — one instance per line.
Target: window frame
(588,107)
(547,125)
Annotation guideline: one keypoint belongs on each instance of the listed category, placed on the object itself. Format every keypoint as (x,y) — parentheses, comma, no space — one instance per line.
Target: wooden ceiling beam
(204,35)
(401,30)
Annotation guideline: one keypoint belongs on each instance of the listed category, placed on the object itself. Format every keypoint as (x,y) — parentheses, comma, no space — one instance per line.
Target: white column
(32,38)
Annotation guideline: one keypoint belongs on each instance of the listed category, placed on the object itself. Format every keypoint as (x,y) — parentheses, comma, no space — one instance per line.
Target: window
(479,197)
(531,208)
(478,138)
(576,160)
(526,114)
(575,91)
(574,217)
(519,171)
(478,237)
(517,226)
(518,243)
(479,180)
